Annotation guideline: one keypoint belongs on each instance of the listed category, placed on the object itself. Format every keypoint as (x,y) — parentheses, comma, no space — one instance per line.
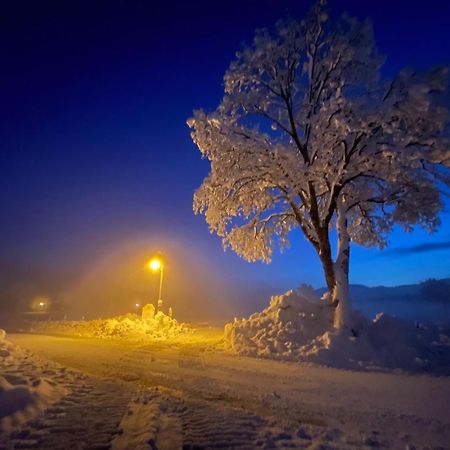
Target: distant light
(155,264)
(137,305)
(41,303)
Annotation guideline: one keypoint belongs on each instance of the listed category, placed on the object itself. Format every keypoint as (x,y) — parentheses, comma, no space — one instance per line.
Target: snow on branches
(306,126)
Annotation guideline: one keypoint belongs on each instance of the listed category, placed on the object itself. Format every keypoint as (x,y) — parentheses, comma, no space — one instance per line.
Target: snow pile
(298,326)
(129,326)
(289,322)
(26,386)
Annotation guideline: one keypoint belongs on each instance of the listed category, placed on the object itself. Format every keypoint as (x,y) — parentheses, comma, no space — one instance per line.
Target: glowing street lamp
(155,264)
(40,304)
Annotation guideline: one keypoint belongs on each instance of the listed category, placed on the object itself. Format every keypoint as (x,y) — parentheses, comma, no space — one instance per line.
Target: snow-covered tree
(309,135)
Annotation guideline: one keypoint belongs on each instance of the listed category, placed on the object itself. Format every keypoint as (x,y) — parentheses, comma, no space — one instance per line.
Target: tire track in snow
(205,397)
(162,417)
(86,418)
(159,420)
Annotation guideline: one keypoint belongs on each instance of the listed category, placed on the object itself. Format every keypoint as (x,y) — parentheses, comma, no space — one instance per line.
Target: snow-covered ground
(298,326)
(128,383)
(28,385)
(187,393)
(44,405)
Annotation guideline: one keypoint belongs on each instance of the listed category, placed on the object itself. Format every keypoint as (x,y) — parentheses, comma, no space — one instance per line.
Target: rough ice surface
(130,326)
(298,326)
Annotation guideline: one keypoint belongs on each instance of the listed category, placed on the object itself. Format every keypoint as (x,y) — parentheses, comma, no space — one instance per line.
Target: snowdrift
(298,326)
(129,326)
(26,386)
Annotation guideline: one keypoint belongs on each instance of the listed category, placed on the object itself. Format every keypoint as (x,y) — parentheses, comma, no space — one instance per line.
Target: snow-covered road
(185,393)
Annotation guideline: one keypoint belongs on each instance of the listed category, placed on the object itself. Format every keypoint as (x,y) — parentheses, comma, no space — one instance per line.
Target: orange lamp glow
(155,264)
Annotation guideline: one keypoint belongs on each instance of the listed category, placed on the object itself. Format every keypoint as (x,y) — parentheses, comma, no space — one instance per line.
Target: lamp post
(155,264)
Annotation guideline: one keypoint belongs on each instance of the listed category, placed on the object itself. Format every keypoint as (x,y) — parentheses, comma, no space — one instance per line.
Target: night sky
(94,148)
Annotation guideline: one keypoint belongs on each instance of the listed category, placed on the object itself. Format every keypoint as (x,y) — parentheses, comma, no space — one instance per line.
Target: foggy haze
(112,284)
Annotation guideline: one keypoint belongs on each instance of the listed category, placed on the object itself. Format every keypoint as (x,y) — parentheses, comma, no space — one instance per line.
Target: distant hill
(428,301)
(427,291)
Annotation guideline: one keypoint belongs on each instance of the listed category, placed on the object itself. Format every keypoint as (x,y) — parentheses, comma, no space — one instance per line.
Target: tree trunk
(326,258)
(341,267)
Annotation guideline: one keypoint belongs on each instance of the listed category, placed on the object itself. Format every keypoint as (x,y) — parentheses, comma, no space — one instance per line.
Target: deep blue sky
(94,147)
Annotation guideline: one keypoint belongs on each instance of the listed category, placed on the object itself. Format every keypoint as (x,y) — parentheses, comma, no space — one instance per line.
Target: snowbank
(129,326)
(298,326)
(25,391)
